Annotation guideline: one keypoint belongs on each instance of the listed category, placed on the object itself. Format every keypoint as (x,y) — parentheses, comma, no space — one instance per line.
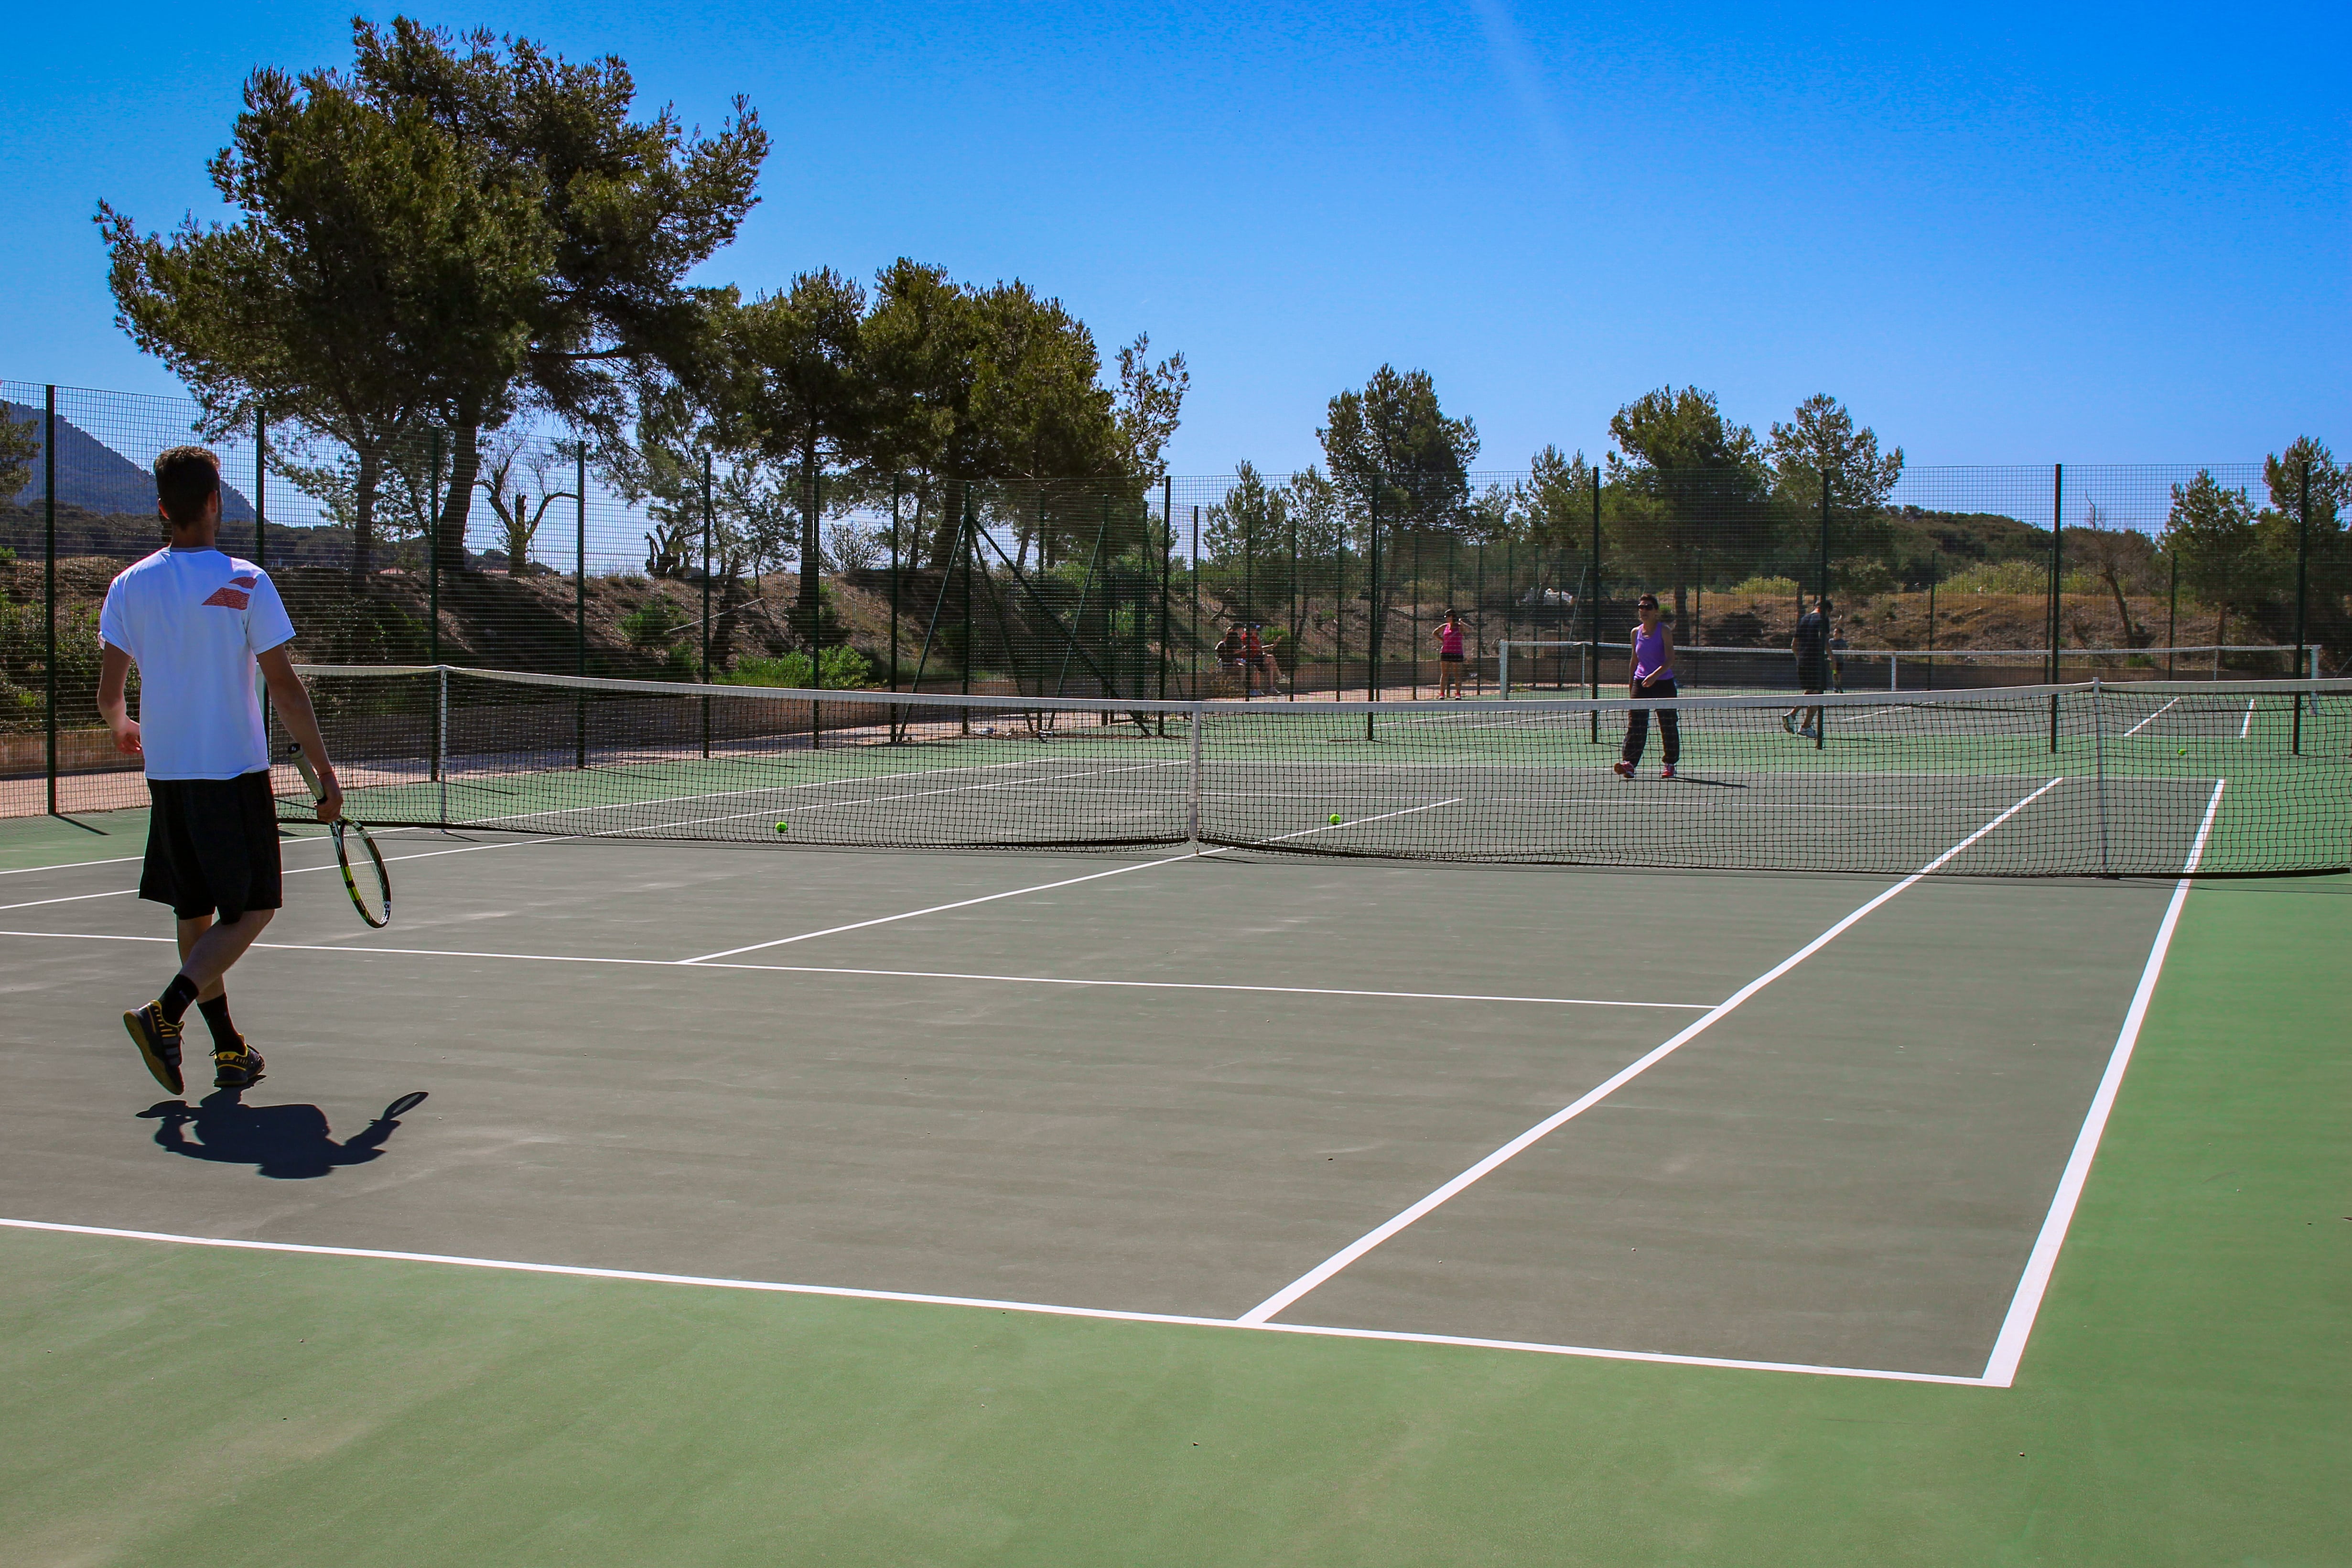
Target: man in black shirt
(1811,644)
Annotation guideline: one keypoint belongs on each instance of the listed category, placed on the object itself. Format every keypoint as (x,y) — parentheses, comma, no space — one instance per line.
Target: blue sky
(2003,235)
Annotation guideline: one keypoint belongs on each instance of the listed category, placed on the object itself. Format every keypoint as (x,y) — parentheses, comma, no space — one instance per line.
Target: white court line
(1347,1254)
(738,794)
(1038,1307)
(2152,718)
(301,871)
(2017,1327)
(894,973)
(2247,727)
(72,865)
(1043,887)
(861,800)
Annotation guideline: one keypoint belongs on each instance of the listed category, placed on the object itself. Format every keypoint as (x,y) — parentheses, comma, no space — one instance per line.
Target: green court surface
(1028,1209)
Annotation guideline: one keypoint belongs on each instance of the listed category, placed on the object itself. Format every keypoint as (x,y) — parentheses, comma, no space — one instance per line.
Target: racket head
(369,884)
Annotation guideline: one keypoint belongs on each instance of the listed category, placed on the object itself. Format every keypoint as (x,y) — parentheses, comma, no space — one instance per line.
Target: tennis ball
(1335,819)
(780,828)
(2184,750)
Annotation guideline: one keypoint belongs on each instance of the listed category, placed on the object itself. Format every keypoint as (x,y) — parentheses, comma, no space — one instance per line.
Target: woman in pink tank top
(1652,675)
(1449,657)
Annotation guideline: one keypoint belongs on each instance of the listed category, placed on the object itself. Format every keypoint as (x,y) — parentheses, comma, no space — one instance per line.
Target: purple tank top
(1649,651)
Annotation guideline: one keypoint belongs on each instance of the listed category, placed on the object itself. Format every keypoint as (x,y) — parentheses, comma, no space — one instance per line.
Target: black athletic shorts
(212,846)
(1814,676)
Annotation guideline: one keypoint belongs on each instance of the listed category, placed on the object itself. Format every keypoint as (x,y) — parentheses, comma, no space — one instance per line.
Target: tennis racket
(374,903)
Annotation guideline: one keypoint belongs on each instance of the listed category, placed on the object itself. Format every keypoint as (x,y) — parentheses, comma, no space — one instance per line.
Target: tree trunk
(811,605)
(365,485)
(457,501)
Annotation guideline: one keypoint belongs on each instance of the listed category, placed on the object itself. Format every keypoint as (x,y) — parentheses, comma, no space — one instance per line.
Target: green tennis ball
(1335,819)
(781,828)
(2184,750)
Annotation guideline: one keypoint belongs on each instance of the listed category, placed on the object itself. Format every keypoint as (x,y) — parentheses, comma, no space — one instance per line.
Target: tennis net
(1558,667)
(2084,779)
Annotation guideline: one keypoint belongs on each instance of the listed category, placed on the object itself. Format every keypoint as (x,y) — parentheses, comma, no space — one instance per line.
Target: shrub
(652,623)
(1774,587)
(839,666)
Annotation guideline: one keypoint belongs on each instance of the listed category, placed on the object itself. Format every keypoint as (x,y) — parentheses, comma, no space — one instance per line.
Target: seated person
(1258,655)
(1230,653)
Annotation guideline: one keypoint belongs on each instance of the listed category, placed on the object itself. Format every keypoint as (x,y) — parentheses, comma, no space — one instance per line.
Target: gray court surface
(1848,1171)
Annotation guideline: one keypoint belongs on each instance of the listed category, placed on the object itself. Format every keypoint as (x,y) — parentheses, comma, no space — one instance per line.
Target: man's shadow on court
(286,1142)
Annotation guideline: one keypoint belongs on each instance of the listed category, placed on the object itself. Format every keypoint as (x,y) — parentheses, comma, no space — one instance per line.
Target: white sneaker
(1789,723)
(1806,733)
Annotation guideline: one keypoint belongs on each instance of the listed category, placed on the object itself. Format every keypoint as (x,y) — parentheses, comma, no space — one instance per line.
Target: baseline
(579,1272)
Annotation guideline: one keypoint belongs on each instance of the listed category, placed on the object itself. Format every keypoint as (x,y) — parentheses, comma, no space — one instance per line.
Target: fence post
(1824,591)
(1592,627)
(50,591)
(2172,615)
(580,600)
(1194,662)
(432,558)
(2099,746)
(805,566)
(971,522)
(261,488)
(1296,662)
(1372,635)
(1167,569)
(1935,572)
(441,739)
(2302,577)
(894,586)
(2057,535)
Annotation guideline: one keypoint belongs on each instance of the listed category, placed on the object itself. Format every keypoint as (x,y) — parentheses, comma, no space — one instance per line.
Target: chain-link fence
(531,552)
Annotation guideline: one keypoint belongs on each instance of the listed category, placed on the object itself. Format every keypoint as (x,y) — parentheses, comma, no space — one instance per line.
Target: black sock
(224,1035)
(176,997)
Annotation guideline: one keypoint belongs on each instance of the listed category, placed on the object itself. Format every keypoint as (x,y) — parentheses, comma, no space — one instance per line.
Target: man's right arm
(113,676)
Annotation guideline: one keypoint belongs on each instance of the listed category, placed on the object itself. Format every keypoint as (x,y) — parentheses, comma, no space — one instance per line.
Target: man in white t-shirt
(197,623)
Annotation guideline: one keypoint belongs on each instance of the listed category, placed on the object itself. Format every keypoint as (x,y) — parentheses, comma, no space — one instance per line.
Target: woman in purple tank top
(1652,676)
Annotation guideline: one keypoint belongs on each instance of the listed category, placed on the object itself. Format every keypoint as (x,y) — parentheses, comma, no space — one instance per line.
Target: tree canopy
(1392,444)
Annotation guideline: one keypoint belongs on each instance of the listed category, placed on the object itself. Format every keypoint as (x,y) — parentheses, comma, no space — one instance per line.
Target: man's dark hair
(1823,604)
(186,478)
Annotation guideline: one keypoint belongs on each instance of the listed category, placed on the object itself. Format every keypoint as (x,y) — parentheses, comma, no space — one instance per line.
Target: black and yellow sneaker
(158,1040)
(239,1069)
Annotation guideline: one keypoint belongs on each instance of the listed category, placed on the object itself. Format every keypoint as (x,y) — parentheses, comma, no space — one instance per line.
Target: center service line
(1339,1260)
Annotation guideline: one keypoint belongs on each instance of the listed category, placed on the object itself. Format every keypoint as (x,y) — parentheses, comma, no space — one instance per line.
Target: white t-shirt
(192,620)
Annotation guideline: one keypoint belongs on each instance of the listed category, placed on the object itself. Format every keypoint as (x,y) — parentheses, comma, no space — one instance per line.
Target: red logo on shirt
(229,598)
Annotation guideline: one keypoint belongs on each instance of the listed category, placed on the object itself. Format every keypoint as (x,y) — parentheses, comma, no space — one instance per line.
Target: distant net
(1526,666)
(2076,780)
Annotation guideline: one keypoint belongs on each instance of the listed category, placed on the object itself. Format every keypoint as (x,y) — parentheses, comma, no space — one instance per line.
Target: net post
(49,593)
(2099,754)
(1503,669)
(1192,783)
